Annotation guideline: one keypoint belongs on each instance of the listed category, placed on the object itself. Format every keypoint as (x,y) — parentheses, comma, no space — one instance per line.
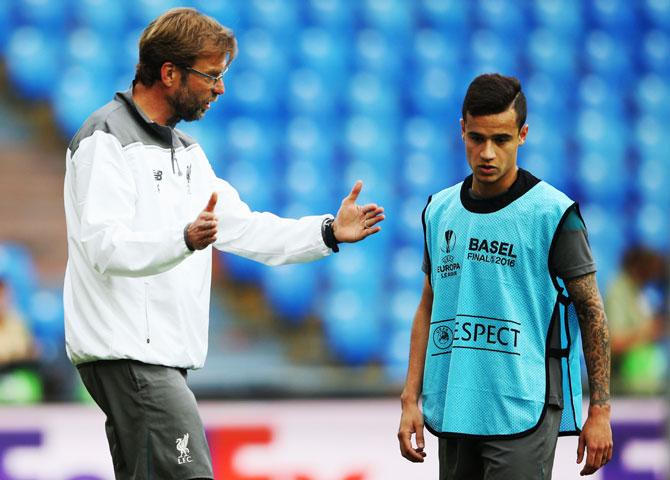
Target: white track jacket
(132,288)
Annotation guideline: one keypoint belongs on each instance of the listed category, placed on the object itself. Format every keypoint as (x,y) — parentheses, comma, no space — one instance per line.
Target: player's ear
(522,134)
(463,129)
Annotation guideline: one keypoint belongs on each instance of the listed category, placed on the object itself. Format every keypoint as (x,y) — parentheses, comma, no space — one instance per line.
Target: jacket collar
(161,132)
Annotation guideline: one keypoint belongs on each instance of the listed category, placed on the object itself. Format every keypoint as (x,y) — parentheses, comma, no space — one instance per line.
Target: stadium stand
(327,91)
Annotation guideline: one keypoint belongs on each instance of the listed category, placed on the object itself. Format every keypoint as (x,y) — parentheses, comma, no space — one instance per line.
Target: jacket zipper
(146,311)
(173,157)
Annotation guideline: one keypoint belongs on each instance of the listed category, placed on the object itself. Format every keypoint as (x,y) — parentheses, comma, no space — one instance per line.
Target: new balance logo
(182,447)
(158,175)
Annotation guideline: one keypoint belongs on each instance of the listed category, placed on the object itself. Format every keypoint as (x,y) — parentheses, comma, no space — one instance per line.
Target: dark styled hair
(180,36)
(492,93)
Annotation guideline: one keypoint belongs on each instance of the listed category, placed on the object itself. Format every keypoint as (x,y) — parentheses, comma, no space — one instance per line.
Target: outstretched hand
(202,232)
(355,222)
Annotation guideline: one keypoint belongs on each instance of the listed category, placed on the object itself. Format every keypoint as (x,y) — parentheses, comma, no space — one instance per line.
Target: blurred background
(325,92)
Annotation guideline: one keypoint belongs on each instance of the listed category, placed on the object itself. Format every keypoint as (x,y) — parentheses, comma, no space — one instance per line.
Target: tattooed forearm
(595,335)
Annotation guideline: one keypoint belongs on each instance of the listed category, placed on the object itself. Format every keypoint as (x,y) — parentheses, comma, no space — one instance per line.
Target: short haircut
(492,93)
(180,36)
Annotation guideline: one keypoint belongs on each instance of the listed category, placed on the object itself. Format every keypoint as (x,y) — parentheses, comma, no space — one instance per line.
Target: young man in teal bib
(509,293)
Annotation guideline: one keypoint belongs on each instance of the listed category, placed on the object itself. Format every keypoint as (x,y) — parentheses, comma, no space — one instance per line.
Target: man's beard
(186,106)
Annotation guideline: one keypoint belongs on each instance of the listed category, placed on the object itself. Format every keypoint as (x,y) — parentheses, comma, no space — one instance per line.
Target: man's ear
(169,74)
(463,129)
(522,134)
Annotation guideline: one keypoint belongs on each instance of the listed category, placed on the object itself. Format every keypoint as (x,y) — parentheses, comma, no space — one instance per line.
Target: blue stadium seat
(107,17)
(548,132)
(619,17)
(543,95)
(46,316)
(601,133)
(603,178)
(650,135)
(144,11)
(333,14)
(451,16)
(655,51)
(392,17)
(127,56)
(652,226)
(657,12)
(595,92)
(432,48)
(406,268)
(608,237)
(353,325)
(240,268)
(491,52)
(309,93)
(421,175)
(87,49)
(251,181)
(251,138)
(396,355)
(610,57)
(563,17)
(550,164)
(276,16)
(552,54)
(6,24)
(261,52)
(310,139)
(652,95)
(251,93)
(369,94)
(420,134)
(410,229)
(305,184)
(78,94)
(402,305)
(33,61)
(292,290)
(435,92)
(320,50)
(506,17)
(369,138)
(375,53)
(43,14)
(225,11)
(650,181)
(353,268)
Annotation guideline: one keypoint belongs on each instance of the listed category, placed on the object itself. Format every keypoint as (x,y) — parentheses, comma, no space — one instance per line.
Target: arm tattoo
(595,335)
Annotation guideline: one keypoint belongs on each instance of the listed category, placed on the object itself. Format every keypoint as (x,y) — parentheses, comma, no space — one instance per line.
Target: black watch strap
(328,235)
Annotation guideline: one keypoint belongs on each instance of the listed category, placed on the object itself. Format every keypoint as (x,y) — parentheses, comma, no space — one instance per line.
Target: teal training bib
(486,362)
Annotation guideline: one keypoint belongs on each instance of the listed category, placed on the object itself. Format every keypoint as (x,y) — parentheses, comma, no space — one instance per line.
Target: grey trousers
(527,458)
(153,426)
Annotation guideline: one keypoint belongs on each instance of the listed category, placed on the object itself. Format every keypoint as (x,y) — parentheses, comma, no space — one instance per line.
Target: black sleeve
(426,261)
(571,256)
(426,267)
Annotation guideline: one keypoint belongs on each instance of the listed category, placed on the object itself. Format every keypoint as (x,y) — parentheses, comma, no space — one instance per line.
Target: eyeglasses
(211,78)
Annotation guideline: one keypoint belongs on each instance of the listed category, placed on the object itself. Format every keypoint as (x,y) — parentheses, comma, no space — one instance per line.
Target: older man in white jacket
(137,283)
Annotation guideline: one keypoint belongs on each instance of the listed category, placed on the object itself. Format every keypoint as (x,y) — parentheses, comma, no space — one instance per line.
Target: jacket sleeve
(105,194)
(263,236)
